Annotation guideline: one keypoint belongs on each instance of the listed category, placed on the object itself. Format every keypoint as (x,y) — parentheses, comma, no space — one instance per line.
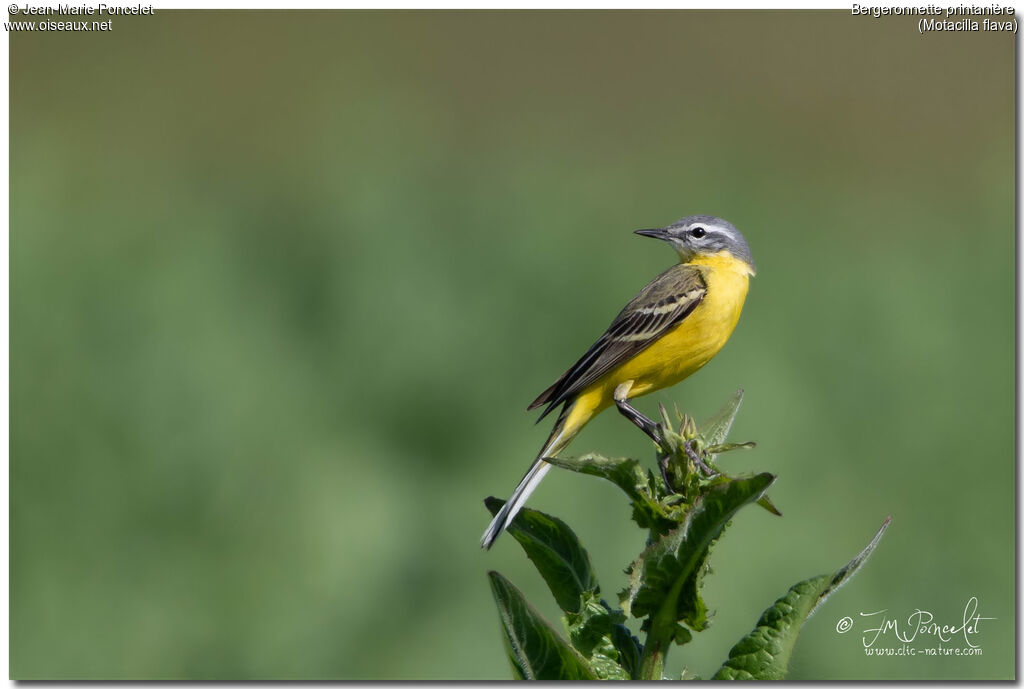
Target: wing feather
(660,306)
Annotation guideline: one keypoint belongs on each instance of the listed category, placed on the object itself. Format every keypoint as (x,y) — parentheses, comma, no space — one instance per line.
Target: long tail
(559,438)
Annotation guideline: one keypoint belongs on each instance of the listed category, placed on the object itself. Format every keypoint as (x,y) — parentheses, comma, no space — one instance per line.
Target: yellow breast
(691,344)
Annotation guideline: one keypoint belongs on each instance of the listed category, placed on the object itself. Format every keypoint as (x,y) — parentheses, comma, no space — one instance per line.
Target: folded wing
(663,304)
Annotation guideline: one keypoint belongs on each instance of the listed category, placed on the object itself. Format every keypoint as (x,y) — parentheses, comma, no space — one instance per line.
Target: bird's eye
(698,232)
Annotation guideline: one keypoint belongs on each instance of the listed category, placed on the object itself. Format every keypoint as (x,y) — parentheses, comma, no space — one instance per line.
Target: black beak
(659,233)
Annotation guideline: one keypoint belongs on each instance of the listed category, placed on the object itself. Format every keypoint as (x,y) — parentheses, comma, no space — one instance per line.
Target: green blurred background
(284,282)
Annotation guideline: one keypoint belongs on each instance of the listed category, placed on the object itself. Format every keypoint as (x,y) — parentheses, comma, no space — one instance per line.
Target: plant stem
(653,662)
(660,636)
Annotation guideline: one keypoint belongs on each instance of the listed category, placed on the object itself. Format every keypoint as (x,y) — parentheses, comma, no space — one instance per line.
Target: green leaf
(766,503)
(661,573)
(555,551)
(603,661)
(765,652)
(565,565)
(591,632)
(714,430)
(729,447)
(691,608)
(682,635)
(628,647)
(640,485)
(593,621)
(624,472)
(535,650)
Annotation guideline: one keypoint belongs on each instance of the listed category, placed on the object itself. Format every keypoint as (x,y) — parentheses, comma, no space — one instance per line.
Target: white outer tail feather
(533,477)
(515,503)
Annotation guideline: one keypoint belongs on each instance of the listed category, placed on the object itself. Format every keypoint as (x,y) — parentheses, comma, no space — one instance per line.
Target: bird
(676,324)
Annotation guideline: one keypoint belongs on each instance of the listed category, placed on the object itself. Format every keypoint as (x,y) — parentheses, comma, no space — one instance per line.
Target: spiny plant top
(685,506)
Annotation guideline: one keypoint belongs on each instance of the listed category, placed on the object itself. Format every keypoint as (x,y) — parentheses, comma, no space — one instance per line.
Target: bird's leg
(626,409)
(663,461)
(697,461)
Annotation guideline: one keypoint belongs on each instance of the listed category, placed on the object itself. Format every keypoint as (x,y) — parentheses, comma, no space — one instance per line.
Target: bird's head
(703,235)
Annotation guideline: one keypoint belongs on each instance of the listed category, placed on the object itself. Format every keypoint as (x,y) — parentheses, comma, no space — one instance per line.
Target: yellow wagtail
(677,323)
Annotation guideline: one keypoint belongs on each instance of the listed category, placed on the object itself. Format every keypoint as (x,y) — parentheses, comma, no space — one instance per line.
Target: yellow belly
(683,350)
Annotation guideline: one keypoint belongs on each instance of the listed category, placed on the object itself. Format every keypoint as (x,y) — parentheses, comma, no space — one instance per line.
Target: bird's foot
(649,427)
(698,462)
